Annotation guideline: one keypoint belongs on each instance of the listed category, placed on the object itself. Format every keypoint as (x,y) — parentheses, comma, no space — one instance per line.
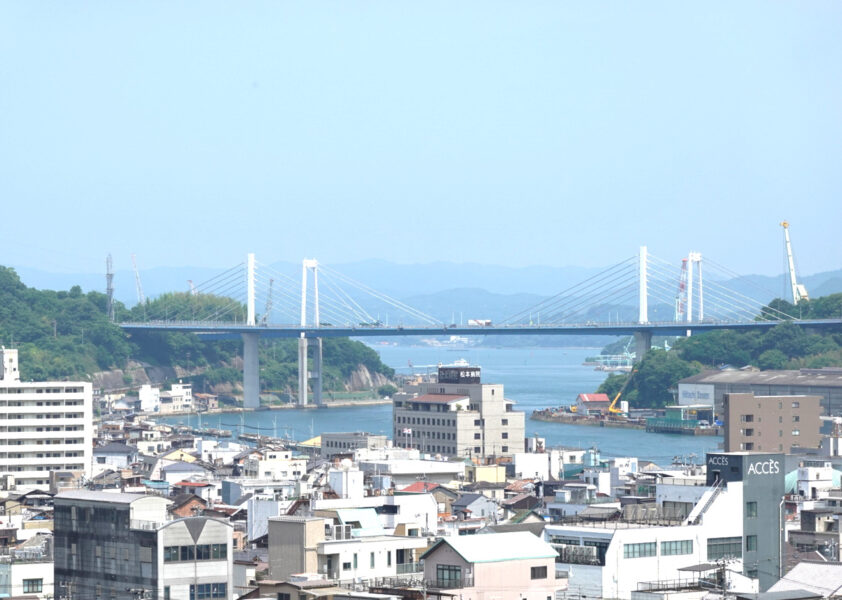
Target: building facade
(771,423)
(114,546)
(457,416)
(346,443)
(710,387)
(44,426)
(507,566)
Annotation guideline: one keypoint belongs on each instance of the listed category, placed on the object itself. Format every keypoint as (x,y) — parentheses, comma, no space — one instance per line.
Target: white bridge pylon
(304,374)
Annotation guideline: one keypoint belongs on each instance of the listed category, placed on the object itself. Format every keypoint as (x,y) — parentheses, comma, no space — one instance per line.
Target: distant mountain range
(451,292)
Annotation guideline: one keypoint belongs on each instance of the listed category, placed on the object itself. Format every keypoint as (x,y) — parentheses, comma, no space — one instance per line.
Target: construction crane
(612,408)
(799,292)
(265,318)
(141,299)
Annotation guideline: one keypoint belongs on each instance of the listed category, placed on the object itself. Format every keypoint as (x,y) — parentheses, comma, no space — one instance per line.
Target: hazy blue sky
(514,133)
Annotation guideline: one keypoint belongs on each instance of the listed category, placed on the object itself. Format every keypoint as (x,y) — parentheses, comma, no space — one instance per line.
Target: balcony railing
(145,525)
(413,567)
(466,581)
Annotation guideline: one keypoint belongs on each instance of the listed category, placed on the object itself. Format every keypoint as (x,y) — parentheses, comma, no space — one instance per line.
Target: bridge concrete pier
(305,376)
(251,371)
(316,375)
(302,371)
(642,343)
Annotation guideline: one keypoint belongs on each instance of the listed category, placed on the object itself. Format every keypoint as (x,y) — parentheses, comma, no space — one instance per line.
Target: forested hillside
(784,346)
(66,335)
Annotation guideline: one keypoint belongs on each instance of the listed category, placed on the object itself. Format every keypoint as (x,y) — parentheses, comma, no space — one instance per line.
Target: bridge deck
(223,329)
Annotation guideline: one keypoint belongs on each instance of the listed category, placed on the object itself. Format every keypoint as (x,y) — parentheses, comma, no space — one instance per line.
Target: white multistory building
(45,426)
(457,415)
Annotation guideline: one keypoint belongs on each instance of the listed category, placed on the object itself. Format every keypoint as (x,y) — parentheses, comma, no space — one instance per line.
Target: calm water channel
(533,378)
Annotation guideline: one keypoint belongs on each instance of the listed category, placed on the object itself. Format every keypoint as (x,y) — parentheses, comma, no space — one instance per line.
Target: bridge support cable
(337,306)
(719,310)
(610,293)
(250,290)
(731,304)
(559,303)
(643,300)
(733,275)
(388,300)
(723,309)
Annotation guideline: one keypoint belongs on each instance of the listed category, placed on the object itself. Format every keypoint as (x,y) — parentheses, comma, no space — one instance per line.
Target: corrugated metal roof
(802,377)
(594,398)
(497,547)
(821,578)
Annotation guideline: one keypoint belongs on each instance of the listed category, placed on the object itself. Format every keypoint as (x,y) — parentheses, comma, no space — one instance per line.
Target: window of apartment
(170,553)
(505,421)
(725,547)
(476,422)
(33,586)
(677,547)
(751,543)
(448,576)
(205,591)
(355,560)
(167,593)
(751,510)
(504,449)
(639,550)
(476,436)
(747,418)
(796,419)
(796,404)
(747,446)
(476,450)
(538,572)
(796,432)
(346,566)
(389,558)
(748,432)
(371,560)
(283,596)
(505,435)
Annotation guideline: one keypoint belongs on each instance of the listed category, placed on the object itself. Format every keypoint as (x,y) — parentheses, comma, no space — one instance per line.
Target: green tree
(772,359)
(657,374)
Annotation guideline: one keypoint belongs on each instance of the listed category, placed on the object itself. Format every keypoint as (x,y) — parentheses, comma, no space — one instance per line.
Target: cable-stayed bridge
(640,296)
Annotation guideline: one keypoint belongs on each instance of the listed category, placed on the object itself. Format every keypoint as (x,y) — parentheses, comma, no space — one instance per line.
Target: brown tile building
(771,423)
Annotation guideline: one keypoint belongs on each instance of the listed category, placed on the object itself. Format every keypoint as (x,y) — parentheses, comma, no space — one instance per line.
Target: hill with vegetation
(66,335)
(784,346)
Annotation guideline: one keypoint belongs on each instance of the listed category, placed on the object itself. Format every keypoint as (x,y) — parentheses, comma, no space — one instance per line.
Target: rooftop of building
(497,547)
(110,497)
(594,397)
(828,377)
(438,398)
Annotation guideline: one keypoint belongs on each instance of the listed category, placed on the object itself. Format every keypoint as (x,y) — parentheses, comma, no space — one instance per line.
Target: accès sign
(764,467)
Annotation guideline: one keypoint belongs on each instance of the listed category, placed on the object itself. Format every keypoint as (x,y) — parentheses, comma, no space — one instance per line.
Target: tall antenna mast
(141,299)
(799,292)
(109,288)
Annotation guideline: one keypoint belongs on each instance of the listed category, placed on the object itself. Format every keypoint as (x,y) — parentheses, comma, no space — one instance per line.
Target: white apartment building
(736,515)
(275,465)
(315,545)
(44,426)
(458,415)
